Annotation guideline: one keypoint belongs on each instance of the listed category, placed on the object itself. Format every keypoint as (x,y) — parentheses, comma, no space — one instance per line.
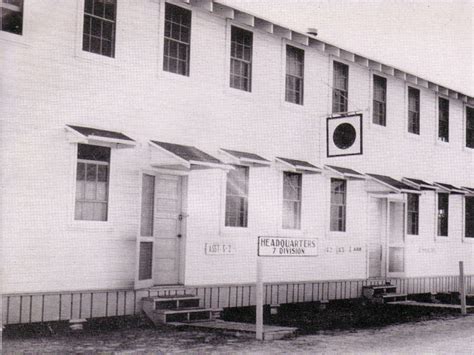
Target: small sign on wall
(280,246)
(219,249)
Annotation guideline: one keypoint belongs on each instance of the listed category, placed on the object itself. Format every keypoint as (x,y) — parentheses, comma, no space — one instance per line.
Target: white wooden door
(167,229)
(145,239)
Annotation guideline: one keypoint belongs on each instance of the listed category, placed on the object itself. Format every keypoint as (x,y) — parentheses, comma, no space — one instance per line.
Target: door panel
(376,239)
(396,239)
(168,204)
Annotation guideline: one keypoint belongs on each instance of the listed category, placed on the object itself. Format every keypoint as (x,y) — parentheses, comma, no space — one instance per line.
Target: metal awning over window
(345,172)
(300,166)
(243,158)
(393,184)
(176,156)
(90,135)
(419,184)
(469,190)
(450,188)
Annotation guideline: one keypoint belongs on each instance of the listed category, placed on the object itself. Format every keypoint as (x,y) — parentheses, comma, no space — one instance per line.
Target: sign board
(344,135)
(219,249)
(282,246)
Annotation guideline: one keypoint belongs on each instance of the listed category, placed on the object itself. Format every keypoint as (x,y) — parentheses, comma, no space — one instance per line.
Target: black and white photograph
(237,177)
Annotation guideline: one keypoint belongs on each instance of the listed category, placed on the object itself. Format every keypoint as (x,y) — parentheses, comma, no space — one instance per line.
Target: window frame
(438,217)
(102,20)
(468,223)
(16,9)
(245,196)
(469,131)
(87,162)
(298,202)
(383,121)
(242,61)
(413,229)
(338,205)
(443,117)
(167,40)
(412,127)
(340,92)
(299,79)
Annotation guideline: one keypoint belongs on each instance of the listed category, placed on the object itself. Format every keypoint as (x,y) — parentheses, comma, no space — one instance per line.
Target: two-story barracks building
(149,142)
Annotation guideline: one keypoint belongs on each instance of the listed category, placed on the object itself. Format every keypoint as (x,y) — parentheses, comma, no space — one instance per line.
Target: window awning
(345,172)
(419,184)
(393,184)
(450,188)
(176,156)
(470,190)
(90,135)
(244,158)
(300,166)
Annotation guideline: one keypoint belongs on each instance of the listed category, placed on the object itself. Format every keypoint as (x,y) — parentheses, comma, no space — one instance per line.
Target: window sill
(468,240)
(96,226)
(237,93)
(336,234)
(13,39)
(173,76)
(289,106)
(235,232)
(282,232)
(95,58)
(439,239)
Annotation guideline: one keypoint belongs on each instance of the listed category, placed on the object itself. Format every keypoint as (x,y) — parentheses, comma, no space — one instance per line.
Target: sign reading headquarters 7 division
(280,246)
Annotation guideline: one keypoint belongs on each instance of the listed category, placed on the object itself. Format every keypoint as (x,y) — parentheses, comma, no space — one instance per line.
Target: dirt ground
(440,336)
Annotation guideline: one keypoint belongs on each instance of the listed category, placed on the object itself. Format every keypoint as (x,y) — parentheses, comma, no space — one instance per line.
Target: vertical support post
(462,288)
(259,300)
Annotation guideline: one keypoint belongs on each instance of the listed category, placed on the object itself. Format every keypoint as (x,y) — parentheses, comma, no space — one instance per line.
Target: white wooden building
(151,142)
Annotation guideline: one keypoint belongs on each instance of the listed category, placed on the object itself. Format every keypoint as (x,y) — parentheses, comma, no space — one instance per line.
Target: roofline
(271,27)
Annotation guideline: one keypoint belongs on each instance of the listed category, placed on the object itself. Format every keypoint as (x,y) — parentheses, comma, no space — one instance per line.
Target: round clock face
(344,136)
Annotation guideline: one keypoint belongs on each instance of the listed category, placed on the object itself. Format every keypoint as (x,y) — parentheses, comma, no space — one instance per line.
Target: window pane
(292,200)
(443,214)
(469,233)
(338,205)
(145,261)
(237,197)
(177,39)
(12,18)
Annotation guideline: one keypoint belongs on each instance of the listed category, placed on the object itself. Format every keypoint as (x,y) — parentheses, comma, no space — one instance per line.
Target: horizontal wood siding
(37,307)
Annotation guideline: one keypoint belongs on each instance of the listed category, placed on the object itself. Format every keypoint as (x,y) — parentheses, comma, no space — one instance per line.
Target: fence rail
(45,307)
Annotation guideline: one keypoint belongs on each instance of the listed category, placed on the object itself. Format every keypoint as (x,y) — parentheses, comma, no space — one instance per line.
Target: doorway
(162,227)
(386,237)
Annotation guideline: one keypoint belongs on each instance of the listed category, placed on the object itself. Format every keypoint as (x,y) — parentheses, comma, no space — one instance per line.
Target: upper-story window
(177,41)
(443,214)
(92,181)
(241,59)
(443,119)
(469,223)
(413,110)
(380,100)
(338,205)
(294,75)
(292,200)
(11,16)
(469,127)
(413,211)
(340,90)
(99,27)
(237,194)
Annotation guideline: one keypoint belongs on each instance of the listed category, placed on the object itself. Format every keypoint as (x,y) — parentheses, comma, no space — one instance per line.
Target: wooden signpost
(277,247)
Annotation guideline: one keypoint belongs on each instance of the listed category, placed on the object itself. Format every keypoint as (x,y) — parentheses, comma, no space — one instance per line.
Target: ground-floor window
(413,206)
(469,206)
(292,200)
(443,210)
(338,205)
(92,182)
(237,191)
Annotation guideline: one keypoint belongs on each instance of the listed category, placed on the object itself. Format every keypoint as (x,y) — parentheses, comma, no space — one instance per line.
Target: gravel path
(441,336)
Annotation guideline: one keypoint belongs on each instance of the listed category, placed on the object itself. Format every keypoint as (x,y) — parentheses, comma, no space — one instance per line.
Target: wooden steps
(178,308)
(382,293)
(244,329)
(432,305)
